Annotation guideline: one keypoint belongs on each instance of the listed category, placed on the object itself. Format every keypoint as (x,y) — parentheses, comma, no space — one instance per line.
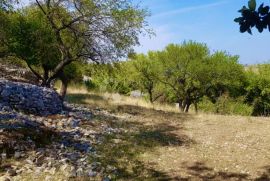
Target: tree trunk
(187,105)
(180,105)
(46,83)
(64,86)
(187,108)
(196,107)
(150,96)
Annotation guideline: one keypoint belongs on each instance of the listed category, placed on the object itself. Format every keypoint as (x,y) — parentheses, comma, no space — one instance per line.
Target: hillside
(165,145)
(111,137)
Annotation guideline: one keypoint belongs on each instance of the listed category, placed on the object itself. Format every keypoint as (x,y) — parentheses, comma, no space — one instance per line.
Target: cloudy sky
(206,21)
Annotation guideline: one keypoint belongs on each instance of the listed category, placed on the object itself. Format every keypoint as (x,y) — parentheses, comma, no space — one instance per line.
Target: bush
(226,106)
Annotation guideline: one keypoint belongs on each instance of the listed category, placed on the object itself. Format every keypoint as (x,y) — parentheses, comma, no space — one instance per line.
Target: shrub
(226,106)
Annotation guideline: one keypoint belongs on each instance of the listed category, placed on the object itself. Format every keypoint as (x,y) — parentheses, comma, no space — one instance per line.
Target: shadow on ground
(23,134)
(81,98)
(119,151)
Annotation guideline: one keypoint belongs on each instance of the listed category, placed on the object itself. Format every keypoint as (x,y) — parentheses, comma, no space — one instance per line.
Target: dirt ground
(163,145)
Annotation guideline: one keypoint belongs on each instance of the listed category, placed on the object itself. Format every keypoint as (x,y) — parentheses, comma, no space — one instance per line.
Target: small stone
(39,160)
(79,172)
(64,167)
(107,179)
(72,172)
(52,170)
(48,178)
(117,141)
(29,162)
(5,178)
(74,123)
(4,156)
(92,173)
(17,154)
(11,172)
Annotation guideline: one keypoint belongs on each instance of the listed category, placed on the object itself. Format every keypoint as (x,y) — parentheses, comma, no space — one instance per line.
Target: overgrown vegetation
(71,41)
(189,75)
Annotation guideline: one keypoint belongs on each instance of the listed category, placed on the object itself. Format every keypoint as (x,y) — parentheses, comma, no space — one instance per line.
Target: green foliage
(225,74)
(258,90)
(73,72)
(109,77)
(184,71)
(226,106)
(32,39)
(191,72)
(145,73)
(181,73)
(250,17)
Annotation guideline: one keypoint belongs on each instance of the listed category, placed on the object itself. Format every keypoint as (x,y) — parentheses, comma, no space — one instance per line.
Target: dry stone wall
(29,98)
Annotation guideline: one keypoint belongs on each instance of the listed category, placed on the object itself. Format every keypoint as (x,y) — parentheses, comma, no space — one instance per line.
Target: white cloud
(188,9)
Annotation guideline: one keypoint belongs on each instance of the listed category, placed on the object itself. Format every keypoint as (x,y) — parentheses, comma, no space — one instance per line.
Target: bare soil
(162,145)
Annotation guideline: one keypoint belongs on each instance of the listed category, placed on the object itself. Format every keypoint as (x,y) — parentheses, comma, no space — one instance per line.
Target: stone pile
(51,147)
(29,98)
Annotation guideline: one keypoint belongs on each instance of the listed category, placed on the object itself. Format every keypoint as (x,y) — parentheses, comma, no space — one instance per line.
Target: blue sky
(207,21)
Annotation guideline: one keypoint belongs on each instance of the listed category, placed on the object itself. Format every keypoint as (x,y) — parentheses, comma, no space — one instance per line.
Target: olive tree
(190,72)
(98,30)
(183,71)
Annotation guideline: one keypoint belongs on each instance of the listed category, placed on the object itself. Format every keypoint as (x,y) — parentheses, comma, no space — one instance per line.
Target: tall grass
(83,96)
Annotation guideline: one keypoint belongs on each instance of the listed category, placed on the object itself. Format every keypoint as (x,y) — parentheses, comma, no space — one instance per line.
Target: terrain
(123,138)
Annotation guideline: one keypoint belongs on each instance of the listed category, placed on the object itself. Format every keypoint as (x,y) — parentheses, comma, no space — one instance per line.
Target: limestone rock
(29,98)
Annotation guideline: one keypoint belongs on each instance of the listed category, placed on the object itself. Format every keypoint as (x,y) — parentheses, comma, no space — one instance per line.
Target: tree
(110,77)
(3,25)
(190,72)
(98,30)
(258,90)
(71,73)
(30,38)
(225,75)
(184,72)
(252,17)
(146,75)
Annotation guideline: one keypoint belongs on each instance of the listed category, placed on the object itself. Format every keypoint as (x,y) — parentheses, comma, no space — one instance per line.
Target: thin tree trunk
(187,108)
(150,96)
(180,105)
(196,107)
(187,105)
(64,86)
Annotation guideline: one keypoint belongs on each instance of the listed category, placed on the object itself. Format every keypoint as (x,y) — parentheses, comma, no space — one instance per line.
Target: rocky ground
(51,148)
(103,140)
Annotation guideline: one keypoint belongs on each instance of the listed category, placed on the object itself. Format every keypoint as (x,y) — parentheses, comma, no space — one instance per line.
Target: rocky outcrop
(56,147)
(29,98)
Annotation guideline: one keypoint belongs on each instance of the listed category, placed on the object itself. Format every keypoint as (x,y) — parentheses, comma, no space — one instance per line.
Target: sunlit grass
(81,95)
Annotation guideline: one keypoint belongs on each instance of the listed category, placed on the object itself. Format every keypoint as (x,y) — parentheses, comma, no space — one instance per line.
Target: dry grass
(161,144)
(82,96)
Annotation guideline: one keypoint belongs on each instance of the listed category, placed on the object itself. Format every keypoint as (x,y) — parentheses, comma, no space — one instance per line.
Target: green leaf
(252,5)
(243,8)
(265,10)
(238,20)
